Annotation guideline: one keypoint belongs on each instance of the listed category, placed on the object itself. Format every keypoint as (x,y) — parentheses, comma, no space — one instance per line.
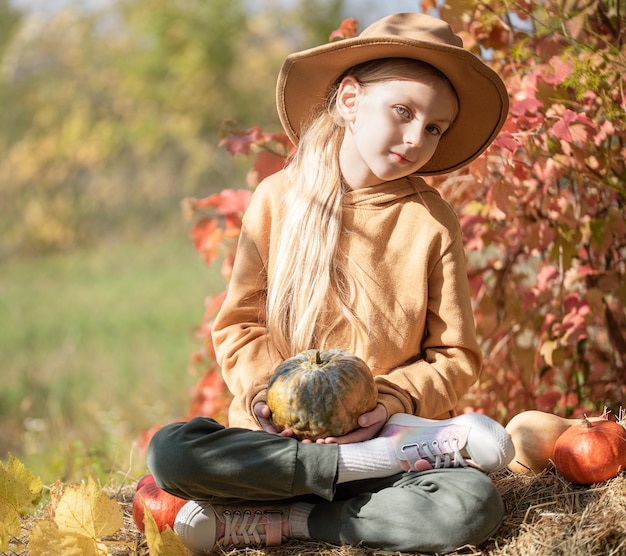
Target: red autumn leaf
(561,127)
(585,270)
(233,201)
(499,36)
(574,322)
(570,126)
(348,29)
(265,164)
(212,383)
(547,400)
(526,105)
(240,142)
(506,141)
(557,71)
(203,332)
(280,140)
(575,24)
(211,396)
(207,237)
(603,132)
(228,201)
(236,143)
(211,201)
(201,229)
(574,302)
(232,226)
(529,299)
(499,194)
(213,303)
(545,278)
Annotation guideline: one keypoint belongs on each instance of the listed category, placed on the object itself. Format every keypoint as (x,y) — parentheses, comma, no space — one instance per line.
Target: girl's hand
(262,412)
(369,426)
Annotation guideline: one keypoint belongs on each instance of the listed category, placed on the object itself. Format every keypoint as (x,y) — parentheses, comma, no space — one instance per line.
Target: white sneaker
(470,439)
(203,527)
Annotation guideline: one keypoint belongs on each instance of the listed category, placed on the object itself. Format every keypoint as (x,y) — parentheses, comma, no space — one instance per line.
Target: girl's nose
(414,134)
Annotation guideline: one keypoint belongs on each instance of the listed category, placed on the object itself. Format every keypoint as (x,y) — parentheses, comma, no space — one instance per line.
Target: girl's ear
(347,94)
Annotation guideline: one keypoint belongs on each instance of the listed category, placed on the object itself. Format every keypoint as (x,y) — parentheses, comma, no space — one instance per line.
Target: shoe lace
(435,454)
(243,527)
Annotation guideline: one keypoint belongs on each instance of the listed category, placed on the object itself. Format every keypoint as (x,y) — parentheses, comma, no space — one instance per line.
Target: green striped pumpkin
(320,393)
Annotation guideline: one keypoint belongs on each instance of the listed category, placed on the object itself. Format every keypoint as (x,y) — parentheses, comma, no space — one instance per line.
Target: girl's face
(392,127)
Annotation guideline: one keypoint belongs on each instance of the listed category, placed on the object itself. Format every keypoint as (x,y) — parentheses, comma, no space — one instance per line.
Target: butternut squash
(534,434)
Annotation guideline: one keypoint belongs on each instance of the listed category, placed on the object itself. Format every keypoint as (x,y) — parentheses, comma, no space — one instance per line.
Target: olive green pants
(432,511)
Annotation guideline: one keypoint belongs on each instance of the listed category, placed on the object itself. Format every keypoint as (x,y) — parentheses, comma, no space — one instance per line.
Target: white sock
(367,460)
(299,520)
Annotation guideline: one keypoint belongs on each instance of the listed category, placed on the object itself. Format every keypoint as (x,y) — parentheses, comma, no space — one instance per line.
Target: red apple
(162,505)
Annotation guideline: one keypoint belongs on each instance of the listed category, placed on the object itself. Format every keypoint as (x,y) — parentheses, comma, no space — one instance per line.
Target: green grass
(94,350)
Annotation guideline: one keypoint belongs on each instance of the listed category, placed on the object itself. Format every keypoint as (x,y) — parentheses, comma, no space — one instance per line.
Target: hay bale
(548,516)
(545,516)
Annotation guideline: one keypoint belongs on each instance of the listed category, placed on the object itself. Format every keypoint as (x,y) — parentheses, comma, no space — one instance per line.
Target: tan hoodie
(406,239)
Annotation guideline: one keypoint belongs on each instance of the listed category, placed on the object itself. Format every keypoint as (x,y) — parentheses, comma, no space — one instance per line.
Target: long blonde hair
(312,278)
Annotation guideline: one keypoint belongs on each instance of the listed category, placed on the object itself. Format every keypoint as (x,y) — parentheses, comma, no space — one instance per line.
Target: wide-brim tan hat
(307,77)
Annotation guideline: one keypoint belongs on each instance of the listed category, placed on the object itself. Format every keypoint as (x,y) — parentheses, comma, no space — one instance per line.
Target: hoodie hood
(387,193)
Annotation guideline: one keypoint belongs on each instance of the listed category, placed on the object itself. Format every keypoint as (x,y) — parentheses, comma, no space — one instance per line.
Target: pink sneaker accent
(203,527)
(470,439)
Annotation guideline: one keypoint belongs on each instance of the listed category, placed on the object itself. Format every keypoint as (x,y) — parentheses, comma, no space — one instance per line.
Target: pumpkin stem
(318,357)
(586,424)
(621,417)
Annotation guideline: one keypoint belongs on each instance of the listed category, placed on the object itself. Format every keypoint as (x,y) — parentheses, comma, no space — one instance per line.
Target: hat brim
(306,78)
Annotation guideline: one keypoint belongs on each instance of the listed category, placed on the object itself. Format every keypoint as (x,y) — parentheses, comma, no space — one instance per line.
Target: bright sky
(366,11)
(51,6)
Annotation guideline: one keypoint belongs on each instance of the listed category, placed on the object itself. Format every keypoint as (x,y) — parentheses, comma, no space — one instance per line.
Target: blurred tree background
(110,114)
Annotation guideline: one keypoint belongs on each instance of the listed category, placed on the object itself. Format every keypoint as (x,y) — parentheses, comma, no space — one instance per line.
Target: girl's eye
(434,130)
(402,111)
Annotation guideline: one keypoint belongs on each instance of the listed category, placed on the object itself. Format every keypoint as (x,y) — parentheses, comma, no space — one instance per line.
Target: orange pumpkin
(591,452)
(320,393)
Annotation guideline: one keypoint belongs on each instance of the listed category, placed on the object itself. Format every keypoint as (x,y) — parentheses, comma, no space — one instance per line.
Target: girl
(348,248)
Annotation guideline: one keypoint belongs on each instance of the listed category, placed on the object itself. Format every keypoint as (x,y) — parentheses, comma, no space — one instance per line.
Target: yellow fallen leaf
(47,540)
(18,486)
(86,511)
(19,490)
(54,496)
(166,543)
(9,525)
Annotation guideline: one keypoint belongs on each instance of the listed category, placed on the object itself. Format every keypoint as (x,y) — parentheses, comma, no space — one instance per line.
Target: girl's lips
(399,158)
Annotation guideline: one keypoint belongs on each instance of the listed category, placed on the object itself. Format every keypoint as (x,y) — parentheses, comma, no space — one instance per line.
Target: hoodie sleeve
(243,348)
